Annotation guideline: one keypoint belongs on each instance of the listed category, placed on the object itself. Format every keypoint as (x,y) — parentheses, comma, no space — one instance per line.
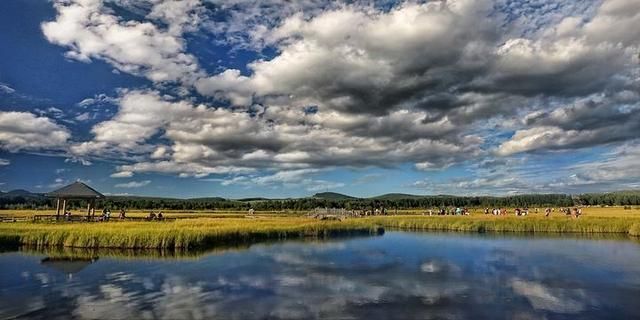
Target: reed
(187,233)
(623,225)
(210,232)
(634,230)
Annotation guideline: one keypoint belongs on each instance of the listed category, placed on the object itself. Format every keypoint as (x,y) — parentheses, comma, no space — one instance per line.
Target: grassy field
(182,233)
(145,213)
(591,212)
(204,230)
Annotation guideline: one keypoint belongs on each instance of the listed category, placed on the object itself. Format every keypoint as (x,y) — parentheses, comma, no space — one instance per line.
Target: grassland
(145,213)
(205,230)
(182,233)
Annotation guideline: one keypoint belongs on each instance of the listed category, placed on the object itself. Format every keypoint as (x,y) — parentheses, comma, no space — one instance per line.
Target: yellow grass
(145,213)
(182,233)
(205,230)
(590,211)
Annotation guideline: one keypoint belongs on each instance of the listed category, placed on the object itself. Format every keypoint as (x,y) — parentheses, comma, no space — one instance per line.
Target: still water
(397,275)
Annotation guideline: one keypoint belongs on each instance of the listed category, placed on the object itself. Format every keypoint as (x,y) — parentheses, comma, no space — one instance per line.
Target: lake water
(397,275)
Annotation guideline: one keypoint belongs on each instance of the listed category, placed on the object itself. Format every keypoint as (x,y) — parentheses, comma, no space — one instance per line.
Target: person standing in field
(575,212)
(122,215)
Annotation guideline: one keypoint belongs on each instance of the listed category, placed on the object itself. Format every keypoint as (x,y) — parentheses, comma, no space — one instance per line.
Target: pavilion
(75,191)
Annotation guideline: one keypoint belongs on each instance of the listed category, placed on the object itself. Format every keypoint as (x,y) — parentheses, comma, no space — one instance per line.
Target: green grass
(210,232)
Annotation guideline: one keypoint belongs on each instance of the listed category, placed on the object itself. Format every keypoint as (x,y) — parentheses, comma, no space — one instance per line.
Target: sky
(238,98)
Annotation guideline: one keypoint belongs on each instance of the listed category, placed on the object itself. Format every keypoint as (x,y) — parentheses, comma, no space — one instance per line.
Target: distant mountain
(332,196)
(397,196)
(20,193)
(253,199)
(208,199)
(121,197)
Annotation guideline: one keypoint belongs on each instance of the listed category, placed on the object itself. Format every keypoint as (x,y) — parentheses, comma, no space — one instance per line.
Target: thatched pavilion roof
(76,190)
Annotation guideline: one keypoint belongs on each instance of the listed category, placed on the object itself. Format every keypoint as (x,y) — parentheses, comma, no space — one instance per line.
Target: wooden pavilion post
(64,205)
(57,208)
(88,208)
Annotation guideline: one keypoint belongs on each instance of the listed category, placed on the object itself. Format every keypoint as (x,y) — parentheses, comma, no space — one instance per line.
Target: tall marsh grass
(187,233)
(530,224)
(209,232)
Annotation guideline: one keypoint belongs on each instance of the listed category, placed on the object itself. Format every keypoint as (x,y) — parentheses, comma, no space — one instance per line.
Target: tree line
(426,202)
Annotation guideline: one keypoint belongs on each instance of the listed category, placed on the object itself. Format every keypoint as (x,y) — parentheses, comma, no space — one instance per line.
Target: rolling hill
(396,196)
(332,196)
(20,193)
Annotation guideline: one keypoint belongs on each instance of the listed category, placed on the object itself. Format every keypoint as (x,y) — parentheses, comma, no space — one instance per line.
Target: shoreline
(214,232)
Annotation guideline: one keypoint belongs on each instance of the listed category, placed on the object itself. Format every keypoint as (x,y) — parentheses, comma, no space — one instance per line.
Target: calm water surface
(398,275)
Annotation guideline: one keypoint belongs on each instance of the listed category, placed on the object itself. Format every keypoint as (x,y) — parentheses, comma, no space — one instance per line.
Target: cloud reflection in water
(399,275)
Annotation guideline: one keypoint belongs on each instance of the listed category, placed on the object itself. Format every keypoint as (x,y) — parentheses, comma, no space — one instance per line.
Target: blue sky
(228,98)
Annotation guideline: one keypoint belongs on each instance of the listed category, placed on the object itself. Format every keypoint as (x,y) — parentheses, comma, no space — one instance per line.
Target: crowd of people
(67,215)
(458,211)
(154,216)
(520,212)
(106,214)
(574,212)
(503,212)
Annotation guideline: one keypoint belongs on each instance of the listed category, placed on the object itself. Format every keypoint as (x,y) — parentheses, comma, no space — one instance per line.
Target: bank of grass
(29,214)
(530,224)
(185,233)
(210,232)
(631,211)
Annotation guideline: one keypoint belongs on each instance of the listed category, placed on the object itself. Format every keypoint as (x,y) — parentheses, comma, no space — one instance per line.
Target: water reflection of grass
(123,253)
(623,237)
(207,232)
(72,253)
